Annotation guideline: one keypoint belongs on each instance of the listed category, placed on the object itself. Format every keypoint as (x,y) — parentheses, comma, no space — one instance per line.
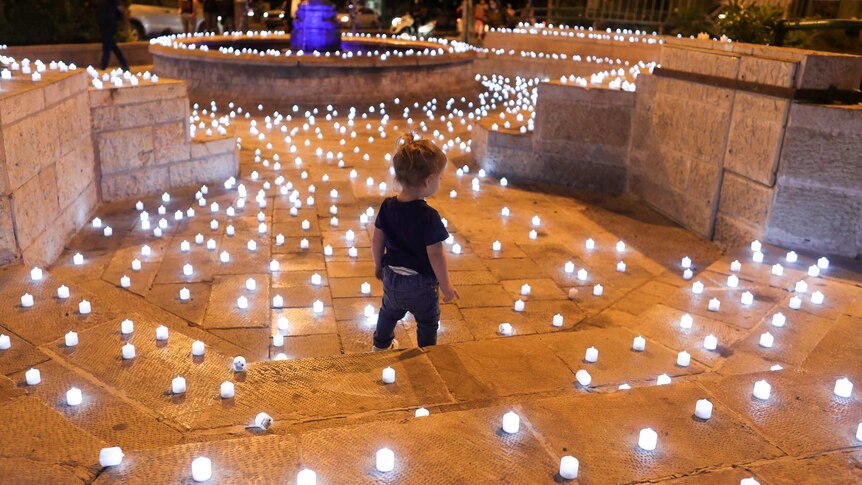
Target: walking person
(189,15)
(240,14)
(109,13)
(211,14)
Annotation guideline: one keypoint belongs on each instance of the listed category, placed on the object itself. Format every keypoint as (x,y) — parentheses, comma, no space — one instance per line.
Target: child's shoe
(393,346)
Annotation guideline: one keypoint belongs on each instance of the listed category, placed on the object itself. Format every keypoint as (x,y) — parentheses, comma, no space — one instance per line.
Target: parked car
(151,18)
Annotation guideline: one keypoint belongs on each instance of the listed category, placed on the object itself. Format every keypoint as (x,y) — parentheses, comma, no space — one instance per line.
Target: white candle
(714,305)
(536,221)
(127,327)
(36,274)
(686,262)
(250,284)
(778,320)
(777,270)
(84,307)
(97,222)
(353,252)
(710,342)
(557,320)
(756,245)
(198,348)
(639,344)
(201,469)
(224,257)
(757,257)
(316,279)
(591,355)
(766,340)
(683,359)
(277,301)
(421,413)
(185,294)
(278,340)
(621,267)
(185,246)
(736,266)
(226,390)
(583,377)
(569,267)
(732,281)
(252,246)
(598,290)
(823,263)
(662,380)
(843,387)
(110,456)
(496,246)
(385,460)
(687,274)
(108,232)
(747,298)
(368,311)
(686,321)
(365,288)
(703,409)
(27,300)
(388,375)
(621,247)
(303,244)
(33,377)
(136,265)
(199,238)
(78,259)
(125,281)
(506,329)
(647,439)
(279,240)
(63,292)
(801,287)
(214,224)
(813,271)
(511,422)
(306,225)
(569,467)
(697,288)
(590,244)
(162,332)
(525,289)
(762,389)
(128,351)
(795,303)
(242,303)
(239,364)
(188,270)
(274,266)
(317,306)
(817,298)
(859,432)
(178,385)
(791,257)
(74,397)
(533,234)
(5,342)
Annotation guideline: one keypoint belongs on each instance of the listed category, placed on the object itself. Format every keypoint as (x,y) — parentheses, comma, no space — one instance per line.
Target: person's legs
(107,40)
(391,310)
(425,307)
(120,58)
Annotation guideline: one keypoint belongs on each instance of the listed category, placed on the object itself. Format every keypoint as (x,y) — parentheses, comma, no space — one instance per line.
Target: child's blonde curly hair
(416,159)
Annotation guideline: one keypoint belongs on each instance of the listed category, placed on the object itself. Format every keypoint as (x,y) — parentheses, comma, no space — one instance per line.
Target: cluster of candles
(33,70)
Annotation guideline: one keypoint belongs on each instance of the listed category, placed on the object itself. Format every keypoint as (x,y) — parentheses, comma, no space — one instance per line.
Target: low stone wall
(632,48)
(142,141)
(48,181)
(136,53)
(515,65)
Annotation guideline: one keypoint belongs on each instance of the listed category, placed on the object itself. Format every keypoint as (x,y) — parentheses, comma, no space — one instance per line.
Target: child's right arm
(441,270)
(378,240)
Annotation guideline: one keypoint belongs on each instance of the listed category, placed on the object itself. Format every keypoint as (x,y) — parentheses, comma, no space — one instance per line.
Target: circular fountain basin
(264,69)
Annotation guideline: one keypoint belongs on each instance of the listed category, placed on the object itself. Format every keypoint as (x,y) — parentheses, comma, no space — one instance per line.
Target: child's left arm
(378,240)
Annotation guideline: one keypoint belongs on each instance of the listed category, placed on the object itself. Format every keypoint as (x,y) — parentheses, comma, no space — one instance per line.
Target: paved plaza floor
(323,387)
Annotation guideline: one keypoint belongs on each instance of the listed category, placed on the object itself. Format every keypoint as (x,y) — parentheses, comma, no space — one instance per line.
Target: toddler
(408,246)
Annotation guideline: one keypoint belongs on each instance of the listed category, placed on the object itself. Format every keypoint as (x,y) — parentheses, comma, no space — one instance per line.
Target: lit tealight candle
(185,246)
(242,303)
(591,355)
(557,320)
(814,271)
(525,289)
(63,292)
(32,377)
(533,234)
(27,300)
(317,306)
(747,298)
(178,385)
(74,397)
(108,232)
(621,247)
(823,263)
(511,422)
(647,439)
(250,284)
(127,327)
(185,294)
(78,259)
(226,390)
(639,344)
(795,303)
(385,460)
(36,274)
(687,274)
(703,409)
(710,342)
(762,389)
(569,467)
(662,380)
(697,288)
(757,257)
(766,340)
(714,305)
(583,377)
(161,333)
(125,282)
(590,244)
(505,212)
(519,305)
(843,387)
(306,477)
(801,287)
(683,359)
(732,281)
(686,262)
(506,329)
(778,320)
(859,432)
(621,267)
(777,270)
(388,375)
(128,351)
(496,246)
(736,266)
(136,265)
(791,257)
(686,321)
(5,342)
(316,279)
(201,469)
(110,456)
(84,307)
(817,298)
(365,288)
(598,290)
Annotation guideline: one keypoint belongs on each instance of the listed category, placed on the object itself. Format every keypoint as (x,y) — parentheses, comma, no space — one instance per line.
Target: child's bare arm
(441,270)
(377,246)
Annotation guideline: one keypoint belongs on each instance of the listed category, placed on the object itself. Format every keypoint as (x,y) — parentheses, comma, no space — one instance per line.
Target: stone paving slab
(36,432)
(350,287)
(609,453)
(713,477)
(424,450)
(223,310)
(357,335)
(167,296)
(101,414)
(20,356)
(147,377)
(802,414)
(121,265)
(840,349)
(303,321)
(265,459)
(26,472)
(311,389)
(839,467)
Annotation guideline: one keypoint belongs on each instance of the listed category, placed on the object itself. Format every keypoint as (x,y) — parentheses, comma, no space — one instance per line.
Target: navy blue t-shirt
(409,228)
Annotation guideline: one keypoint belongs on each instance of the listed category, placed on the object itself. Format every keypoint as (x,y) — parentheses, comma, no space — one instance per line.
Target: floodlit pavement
(323,387)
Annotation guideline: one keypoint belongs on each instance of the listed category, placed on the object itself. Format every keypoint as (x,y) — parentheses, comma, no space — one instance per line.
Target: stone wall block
(821,158)
(171,142)
(710,63)
(821,70)
(8,245)
(213,170)
(30,145)
(772,72)
(35,206)
(21,104)
(75,171)
(74,123)
(60,90)
(112,117)
(584,123)
(745,201)
(125,150)
(214,146)
(756,132)
(135,183)
(143,93)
